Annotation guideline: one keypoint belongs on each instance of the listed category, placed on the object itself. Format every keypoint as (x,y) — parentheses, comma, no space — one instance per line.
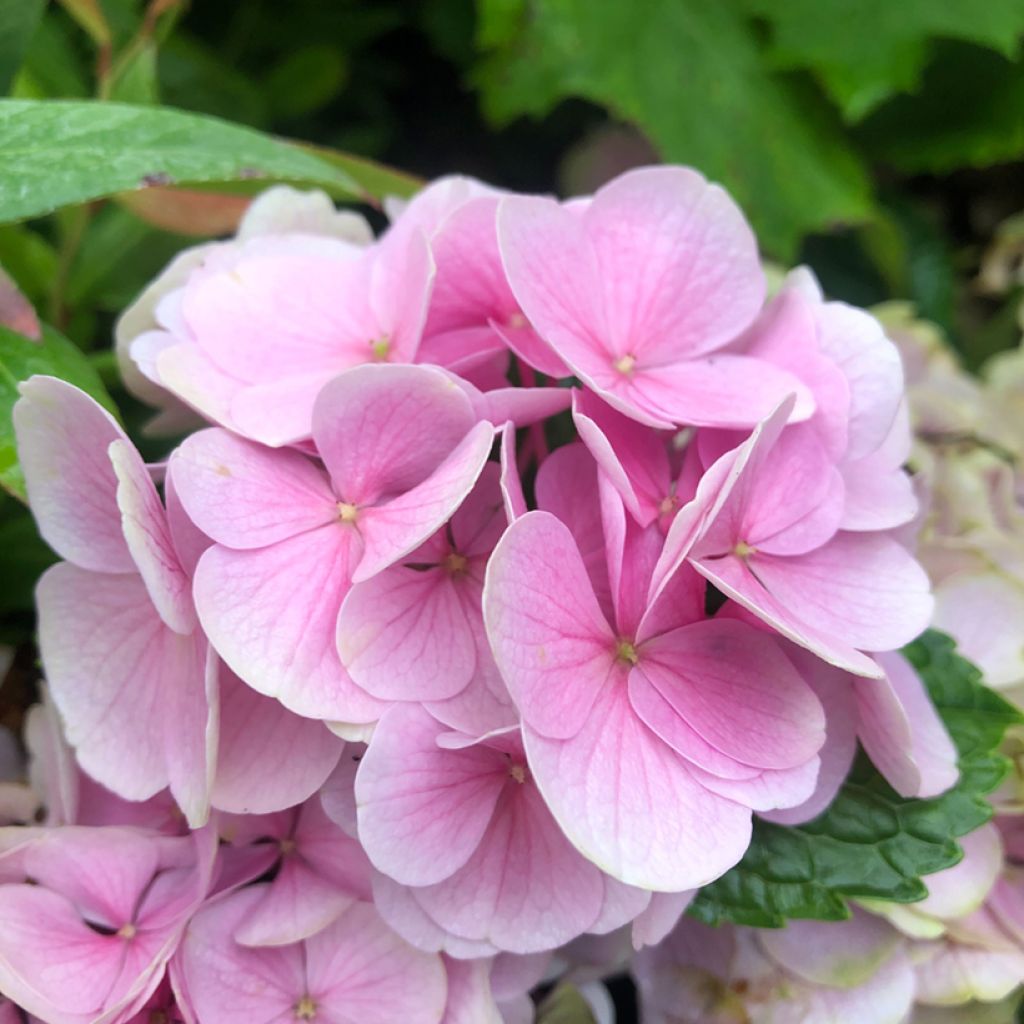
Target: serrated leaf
(55,153)
(690,74)
(20,358)
(865,51)
(871,842)
(968,112)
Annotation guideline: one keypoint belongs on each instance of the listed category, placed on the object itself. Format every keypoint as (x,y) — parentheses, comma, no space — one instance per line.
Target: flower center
(625,651)
(517,772)
(305,1009)
(127,931)
(380,347)
(743,549)
(455,564)
(624,364)
(159,1017)
(668,505)
(347,513)
(287,846)
(516,321)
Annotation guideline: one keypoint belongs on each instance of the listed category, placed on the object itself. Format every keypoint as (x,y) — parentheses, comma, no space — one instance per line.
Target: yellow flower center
(347,513)
(624,364)
(305,1009)
(626,652)
(743,549)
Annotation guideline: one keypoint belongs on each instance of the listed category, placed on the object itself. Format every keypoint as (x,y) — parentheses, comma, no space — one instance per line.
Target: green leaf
(61,152)
(865,51)
(20,358)
(23,556)
(18,21)
(691,75)
(969,112)
(871,842)
(305,80)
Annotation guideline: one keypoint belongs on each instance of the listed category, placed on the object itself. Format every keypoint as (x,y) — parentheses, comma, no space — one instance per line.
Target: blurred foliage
(879,142)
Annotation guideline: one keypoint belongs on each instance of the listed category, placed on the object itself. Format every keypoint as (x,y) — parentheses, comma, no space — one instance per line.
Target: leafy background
(880,142)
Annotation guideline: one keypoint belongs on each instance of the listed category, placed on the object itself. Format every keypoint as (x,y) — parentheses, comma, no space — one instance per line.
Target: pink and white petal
(727,391)
(887,997)
(392,530)
(678,263)
(835,690)
(423,810)
(902,731)
(524,889)
(359,970)
(480,520)
(244,495)
(957,973)
(769,790)
(298,903)
(227,982)
(383,429)
(269,759)
(629,804)
(856,342)
(52,963)
(328,850)
(403,635)
(975,608)
(401,283)
(567,487)
(553,273)
(278,412)
(337,795)
(511,485)
(271,614)
(112,666)
(634,458)
(522,406)
(877,497)
(554,648)
(271,307)
(660,917)
(470,1000)
(961,889)
(148,536)
(732,576)
(63,437)
(621,905)
(399,907)
(865,588)
(186,371)
(188,540)
(734,686)
(485,704)
(397,527)
(529,347)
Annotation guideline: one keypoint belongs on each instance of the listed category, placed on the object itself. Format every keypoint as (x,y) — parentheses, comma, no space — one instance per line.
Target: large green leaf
(968,113)
(54,153)
(20,358)
(871,842)
(18,22)
(866,50)
(691,75)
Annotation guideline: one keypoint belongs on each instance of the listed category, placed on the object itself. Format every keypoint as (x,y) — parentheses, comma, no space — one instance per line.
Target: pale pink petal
(902,731)
(511,484)
(246,496)
(530,347)
(382,429)
(961,889)
(361,972)
(521,406)
(481,519)
(279,412)
(398,527)
(63,437)
(567,487)
(553,646)
(628,803)
(659,918)
(524,889)
(633,457)
(113,668)
(229,983)
(956,974)
(678,263)
(470,1000)
(855,341)
(735,687)
(423,810)
(403,635)
(271,614)
(401,284)
(337,795)
(877,497)
(268,758)
(188,540)
(51,962)
(148,535)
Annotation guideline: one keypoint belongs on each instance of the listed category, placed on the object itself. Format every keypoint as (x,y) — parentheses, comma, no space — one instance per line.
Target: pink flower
(640,289)
(355,971)
(401,451)
(90,937)
(462,826)
(650,730)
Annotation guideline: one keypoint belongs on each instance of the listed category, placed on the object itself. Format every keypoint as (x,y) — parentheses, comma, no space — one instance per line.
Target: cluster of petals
(513,560)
